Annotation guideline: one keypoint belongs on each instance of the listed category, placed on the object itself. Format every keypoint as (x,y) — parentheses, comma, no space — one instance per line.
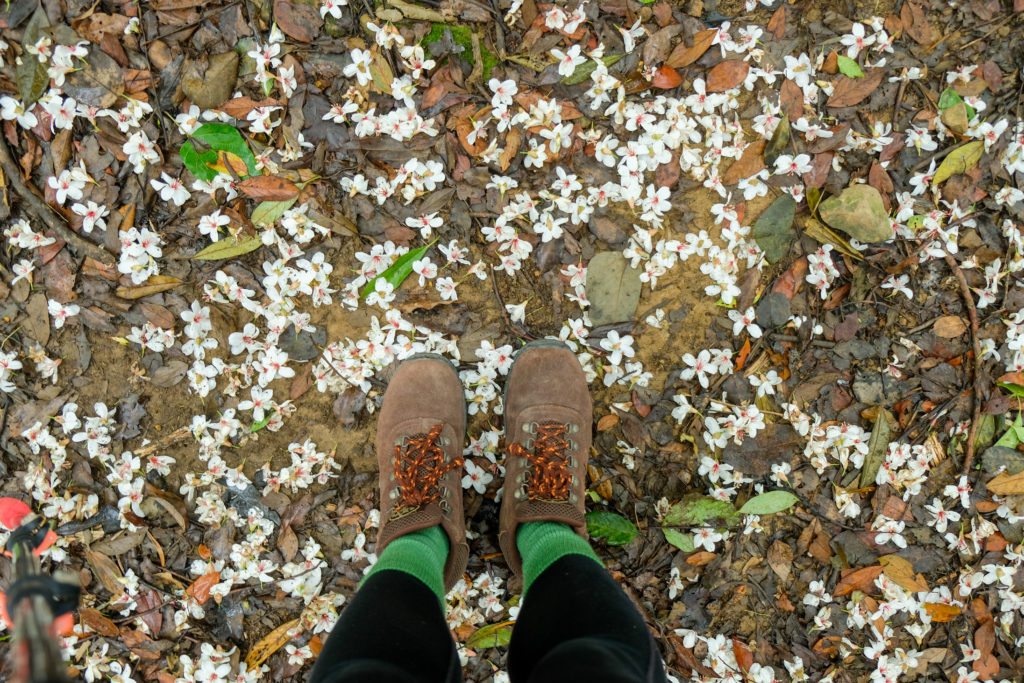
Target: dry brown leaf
(949,326)
(268,188)
(297,20)
(607,422)
(512,141)
(700,558)
(941,612)
(665,78)
(777,24)
(850,91)
(684,55)
(1007,484)
(99,623)
(780,559)
(749,163)
(154,285)
(915,24)
(727,75)
(200,588)
(791,99)
(901,571)
(270,643)
(862,580)
(106,571)
(241,106)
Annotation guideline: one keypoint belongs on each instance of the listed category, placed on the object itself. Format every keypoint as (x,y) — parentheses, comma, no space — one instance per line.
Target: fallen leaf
(665,78)
(613,287)
(777,24)
(858,212)
(200,588)
(699,559)
(850,91)
(862,580)
(270,643)
(901,571)
(268,187)
(99,623)
(773,230)
(153,285)
(778,141)
(960,160)
(240,106)
(106,571)
(749,163)
(780,558)
(727,75)
(915,24)
(1007,484)
(298,20)
(949,326)
(684,55)
(226,248)
(941,612)
(607,422)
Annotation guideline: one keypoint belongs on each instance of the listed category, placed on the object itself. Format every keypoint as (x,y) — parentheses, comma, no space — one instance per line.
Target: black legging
(576,624)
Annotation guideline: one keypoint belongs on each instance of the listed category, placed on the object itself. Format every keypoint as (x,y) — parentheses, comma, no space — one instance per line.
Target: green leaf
(773,230)
(878,446)
(769,503)
(399,270)
(698,510)
(960,160)
(491,635)
(196,162)
(32,75)
(950,98)
(680,540)
(1015,389)
(1014,435)
(859,212)
(257,426)
(850,68)
(268,212)
(226,248)
(225,138)
(584,70)
(614,529)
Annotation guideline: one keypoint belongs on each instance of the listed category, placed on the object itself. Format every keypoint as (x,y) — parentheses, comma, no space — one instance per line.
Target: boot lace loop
(420,464)
(548,478)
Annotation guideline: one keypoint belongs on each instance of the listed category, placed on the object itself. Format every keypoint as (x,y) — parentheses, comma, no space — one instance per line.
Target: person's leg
(576,623)
(394,628)
(392,631)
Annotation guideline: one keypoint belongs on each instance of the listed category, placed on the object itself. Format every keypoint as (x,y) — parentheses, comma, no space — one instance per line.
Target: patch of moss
(462,36)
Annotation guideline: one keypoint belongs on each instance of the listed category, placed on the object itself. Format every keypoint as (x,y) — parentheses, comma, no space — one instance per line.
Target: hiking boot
(548,417)
(420,431)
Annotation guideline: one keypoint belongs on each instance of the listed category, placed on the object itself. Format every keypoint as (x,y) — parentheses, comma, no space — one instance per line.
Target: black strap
(32,533)
(60,596)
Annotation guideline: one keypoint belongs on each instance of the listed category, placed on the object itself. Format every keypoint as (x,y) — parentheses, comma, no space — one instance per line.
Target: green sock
(542,543)
(421,554)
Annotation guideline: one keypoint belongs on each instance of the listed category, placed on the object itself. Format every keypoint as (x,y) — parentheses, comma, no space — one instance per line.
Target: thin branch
(972,311)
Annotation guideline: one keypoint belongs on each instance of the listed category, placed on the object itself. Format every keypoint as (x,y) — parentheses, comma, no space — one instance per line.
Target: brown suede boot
(548,417)
(420,432)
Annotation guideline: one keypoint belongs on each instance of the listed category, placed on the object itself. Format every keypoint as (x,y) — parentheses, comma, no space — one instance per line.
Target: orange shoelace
(419,467)
(549,479)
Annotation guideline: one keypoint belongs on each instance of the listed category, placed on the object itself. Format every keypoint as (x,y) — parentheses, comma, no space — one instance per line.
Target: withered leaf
(727,75)
(268,187)
(684,55)
(850,91)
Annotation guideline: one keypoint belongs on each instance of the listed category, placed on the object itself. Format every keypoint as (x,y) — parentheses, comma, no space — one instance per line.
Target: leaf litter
(790,410)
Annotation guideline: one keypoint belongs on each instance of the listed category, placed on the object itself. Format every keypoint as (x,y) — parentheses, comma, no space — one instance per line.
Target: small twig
(43,212)
(896,105)
(512,327)
(972,312)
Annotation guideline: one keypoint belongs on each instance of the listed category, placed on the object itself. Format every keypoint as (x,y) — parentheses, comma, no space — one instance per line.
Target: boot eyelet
(571,461)
(530,427)
(517,494)
(573,428)
(572,444)
(445,507)
(573,498)
(529,444)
